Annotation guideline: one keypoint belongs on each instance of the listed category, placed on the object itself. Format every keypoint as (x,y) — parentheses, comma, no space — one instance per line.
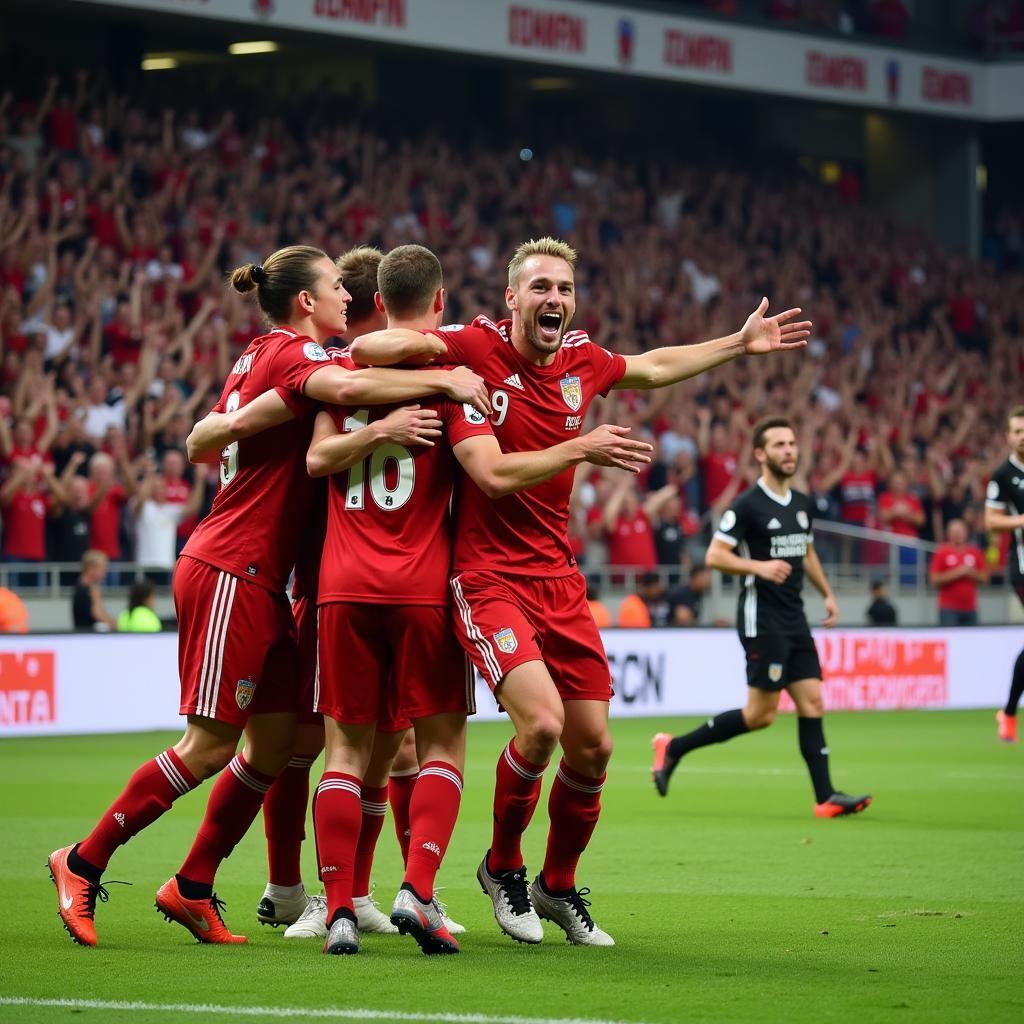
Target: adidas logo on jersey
(774,524)
(515,382)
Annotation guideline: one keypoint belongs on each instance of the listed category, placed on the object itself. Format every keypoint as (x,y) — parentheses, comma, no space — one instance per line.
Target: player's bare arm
(721,556)
(380,386)
(760,335)
(396,345)
(499,474)
(331,451)
(997,521)
(816,574)
(218,429)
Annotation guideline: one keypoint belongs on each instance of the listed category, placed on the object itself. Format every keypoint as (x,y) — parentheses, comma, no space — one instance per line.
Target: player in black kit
(1004,512)
(766,538)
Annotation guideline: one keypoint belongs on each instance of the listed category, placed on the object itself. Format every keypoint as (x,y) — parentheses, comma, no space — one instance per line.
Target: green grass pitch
(728,900)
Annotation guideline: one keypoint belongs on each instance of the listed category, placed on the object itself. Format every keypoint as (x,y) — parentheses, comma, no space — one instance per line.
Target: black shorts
(776,660)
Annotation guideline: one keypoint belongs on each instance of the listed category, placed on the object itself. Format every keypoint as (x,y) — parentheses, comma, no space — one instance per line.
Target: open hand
(761,334)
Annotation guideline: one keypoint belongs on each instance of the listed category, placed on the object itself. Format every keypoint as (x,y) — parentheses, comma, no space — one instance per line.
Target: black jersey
(763,526)
(1006,493)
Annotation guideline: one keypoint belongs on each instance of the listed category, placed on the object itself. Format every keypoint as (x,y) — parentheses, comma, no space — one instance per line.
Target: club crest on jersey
(245,690)
(506,641)
(572,392)
(801,518)
(311,350)
(775,673)
(472,414)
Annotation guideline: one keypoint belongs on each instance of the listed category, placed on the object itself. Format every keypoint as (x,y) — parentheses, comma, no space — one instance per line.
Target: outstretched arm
(760,335)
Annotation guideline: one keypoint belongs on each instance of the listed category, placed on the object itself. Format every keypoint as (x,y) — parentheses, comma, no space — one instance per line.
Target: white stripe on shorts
(479,641)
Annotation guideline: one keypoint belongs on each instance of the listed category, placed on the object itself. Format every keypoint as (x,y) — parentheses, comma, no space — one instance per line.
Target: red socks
(374,806)
(149,793)
(574,807)
(284,819)
(234,802)
(516,792)
(432,814)
(400,788)
(337,817)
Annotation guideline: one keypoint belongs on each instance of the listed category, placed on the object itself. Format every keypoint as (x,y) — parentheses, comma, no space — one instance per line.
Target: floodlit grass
(728,900)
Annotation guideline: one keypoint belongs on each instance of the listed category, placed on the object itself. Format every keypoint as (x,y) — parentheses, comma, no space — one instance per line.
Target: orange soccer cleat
(76,898)
(664,764)
(201,917)
(1007,726)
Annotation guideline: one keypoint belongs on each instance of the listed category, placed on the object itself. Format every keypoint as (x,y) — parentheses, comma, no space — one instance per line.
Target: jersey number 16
(403,472)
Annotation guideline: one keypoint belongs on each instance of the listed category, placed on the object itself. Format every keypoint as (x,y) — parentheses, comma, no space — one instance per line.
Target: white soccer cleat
(312,922)
(370,918)
(454,928)
(570,914)
(511,899)
(282,904)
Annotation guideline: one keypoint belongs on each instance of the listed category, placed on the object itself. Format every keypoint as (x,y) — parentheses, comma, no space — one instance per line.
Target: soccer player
(385,615)
(236,652)
(1004,513)
(521,600)
(765,536)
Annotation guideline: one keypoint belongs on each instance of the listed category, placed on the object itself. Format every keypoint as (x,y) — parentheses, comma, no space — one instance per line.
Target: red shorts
(304,611)
(237,650)
(504,621)
(389,663)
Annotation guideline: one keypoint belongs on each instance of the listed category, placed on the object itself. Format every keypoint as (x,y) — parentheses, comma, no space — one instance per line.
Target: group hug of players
(442,534)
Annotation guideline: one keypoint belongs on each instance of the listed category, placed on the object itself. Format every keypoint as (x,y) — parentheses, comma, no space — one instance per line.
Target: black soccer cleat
(664,764)
(839,804)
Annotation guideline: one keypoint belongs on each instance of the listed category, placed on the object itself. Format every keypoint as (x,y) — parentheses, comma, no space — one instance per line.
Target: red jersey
(105,524)
(960,595)
(311,545)
(857,492)
(263,506)
(388,523)
(25,525)
(910,502)
(718,468)
(631,542)
(534,407)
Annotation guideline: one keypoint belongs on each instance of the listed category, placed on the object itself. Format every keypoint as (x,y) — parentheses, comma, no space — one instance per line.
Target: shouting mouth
(550,325)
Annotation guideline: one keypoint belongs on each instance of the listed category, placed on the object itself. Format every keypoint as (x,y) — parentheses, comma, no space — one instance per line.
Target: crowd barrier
(67,684)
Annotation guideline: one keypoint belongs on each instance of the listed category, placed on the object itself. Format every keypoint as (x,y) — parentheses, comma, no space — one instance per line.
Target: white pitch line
(297,1012)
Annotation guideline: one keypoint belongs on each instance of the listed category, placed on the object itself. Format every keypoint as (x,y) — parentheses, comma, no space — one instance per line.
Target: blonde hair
(93,559)
(281,276)
(546,246)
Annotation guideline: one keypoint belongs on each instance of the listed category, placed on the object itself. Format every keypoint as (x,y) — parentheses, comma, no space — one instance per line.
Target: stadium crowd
(117,222)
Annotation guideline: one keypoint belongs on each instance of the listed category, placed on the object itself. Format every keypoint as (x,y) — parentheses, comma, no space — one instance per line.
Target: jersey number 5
(403,472)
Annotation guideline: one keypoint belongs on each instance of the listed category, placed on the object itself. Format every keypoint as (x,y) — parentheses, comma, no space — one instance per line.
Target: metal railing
(58,579)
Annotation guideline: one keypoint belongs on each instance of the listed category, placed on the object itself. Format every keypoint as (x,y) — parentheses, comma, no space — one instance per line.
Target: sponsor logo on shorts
(775,673)
(311,350)
(506,641)
(572,392)
(245,690)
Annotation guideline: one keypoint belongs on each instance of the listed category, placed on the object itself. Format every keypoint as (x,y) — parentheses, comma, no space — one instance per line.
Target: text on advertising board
(27,688)
(877,672)
(389,13)
(637,677)
(946,86)
(709,53)
(830,72)
(533,28)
